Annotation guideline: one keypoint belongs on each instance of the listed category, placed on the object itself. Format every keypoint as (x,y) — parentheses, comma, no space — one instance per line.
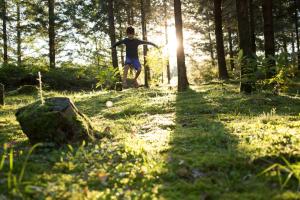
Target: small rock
(197,174)
(183,172)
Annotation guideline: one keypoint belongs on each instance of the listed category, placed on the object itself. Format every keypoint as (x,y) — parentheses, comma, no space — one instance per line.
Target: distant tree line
(227,26)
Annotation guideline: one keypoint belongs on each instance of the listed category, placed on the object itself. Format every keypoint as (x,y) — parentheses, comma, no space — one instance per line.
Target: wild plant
(285,172)
(14,181)
(107,77)
(258,67)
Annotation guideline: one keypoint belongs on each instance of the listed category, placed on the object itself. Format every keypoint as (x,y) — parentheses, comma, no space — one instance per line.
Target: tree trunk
(128,17)
(122,54)
(244,41)
(2,94)
(211,45)
(293,43)
(131,16)
(182,76)
(51,32)
(230,48)
(297,33)
(293,48)
(269,37)
(112,32)
(121,37)
(4,31)
(145,48)
(285,50)
(167,42)
(252,26)
(19,53)
(223,74)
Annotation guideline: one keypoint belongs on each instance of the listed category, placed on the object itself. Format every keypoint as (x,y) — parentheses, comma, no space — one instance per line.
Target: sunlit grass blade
(11,159)
(287,180)
(70,148)
(268,169)
(287,162)
(26,160)
(3,157)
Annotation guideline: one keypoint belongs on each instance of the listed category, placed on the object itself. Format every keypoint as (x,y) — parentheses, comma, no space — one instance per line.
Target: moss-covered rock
(25,90)
(57,121)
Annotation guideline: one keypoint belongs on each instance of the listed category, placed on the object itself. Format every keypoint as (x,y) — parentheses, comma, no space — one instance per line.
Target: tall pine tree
(181,67)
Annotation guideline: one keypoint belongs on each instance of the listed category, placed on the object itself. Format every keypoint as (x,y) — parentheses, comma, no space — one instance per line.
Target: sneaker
(136,84)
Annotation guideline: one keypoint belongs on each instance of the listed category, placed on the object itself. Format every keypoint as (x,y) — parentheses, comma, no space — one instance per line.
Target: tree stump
(2,96)
(57,121)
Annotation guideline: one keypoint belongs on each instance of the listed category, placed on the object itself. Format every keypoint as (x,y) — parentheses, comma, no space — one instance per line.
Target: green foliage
(157,64)
(247,67)
(256,70)
(10,75)
(204,72)
(71,78)
(25,90)
(291,170)
(64,78)
(209,142)
(15,187)
(107,77)
(284,73)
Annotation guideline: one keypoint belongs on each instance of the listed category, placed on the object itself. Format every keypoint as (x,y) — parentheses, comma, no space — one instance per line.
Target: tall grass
(13,178)
(285,172)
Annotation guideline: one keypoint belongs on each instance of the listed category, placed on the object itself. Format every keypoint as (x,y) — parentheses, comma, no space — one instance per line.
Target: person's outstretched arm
(117,44)
(148,43)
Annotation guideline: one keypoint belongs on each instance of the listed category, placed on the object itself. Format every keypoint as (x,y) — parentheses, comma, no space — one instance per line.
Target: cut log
(25,90)
(119,86)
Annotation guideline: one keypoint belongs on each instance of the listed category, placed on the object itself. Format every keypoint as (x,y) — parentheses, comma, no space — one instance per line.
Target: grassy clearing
(207,143)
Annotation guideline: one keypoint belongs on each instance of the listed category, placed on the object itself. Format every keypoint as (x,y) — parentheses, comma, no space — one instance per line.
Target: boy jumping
(132,57)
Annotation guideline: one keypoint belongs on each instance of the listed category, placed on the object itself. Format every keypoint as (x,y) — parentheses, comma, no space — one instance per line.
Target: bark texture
(223,74)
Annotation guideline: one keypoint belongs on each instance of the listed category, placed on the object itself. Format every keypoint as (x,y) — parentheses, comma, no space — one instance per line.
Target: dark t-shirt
(132,46)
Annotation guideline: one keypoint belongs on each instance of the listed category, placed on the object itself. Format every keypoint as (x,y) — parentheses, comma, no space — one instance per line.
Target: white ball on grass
(109,104)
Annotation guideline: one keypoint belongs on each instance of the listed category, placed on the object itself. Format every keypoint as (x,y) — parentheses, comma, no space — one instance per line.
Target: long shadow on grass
(205,160)
(227,100)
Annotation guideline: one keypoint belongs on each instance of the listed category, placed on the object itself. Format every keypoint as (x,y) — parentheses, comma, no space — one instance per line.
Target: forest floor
(207,143)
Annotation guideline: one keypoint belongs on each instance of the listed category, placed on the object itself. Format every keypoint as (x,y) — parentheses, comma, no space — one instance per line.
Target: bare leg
(138,72)
(126,68)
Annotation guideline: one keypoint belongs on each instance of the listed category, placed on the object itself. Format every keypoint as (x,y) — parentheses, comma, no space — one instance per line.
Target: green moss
(42,123)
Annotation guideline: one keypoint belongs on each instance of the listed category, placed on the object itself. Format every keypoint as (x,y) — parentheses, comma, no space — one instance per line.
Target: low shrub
(64,78)
(204,72)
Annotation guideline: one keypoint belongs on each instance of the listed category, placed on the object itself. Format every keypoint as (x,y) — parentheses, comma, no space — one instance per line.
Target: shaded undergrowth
(223,140)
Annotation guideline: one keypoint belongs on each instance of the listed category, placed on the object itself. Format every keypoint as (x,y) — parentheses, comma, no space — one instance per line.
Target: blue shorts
(134,62)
